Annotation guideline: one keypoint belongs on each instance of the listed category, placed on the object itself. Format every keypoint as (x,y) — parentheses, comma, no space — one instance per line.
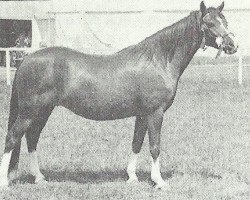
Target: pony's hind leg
(12,141)
(139,134)
(13,166)
(32,137)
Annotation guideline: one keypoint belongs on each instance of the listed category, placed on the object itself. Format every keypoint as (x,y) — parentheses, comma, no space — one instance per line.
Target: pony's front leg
(154,131)
(139,134)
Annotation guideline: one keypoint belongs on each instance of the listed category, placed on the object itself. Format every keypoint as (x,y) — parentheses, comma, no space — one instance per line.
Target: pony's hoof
(3,183)
(163,186)
(40,180)
(132,180)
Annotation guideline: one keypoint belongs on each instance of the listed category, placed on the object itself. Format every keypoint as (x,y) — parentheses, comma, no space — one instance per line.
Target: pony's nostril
(231,44)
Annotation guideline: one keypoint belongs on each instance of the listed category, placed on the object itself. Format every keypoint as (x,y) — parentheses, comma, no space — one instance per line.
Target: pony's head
(215,29)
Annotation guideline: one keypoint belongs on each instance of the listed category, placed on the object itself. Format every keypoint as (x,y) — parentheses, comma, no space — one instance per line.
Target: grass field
(205,147)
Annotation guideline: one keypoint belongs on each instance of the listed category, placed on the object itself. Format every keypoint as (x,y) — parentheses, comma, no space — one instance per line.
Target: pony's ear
(203,8)
(220,8)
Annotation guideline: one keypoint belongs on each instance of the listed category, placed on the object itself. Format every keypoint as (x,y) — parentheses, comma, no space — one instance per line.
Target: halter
(203,42)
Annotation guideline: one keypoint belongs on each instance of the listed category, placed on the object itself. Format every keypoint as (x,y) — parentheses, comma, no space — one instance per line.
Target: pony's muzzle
(229,45)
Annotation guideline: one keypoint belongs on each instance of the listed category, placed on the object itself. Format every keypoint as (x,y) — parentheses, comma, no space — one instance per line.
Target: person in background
(23,40)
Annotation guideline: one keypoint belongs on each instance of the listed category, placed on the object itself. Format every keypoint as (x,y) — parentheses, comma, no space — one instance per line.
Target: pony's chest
(157,89)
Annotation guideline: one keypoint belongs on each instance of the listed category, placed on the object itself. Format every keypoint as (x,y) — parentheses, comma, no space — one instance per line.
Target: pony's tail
(12,118)
(13,105)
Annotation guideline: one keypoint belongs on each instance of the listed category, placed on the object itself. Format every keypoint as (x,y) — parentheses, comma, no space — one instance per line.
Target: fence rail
(7,57)
(7,51)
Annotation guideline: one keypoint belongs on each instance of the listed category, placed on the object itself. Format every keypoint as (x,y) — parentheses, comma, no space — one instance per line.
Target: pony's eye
(210,25)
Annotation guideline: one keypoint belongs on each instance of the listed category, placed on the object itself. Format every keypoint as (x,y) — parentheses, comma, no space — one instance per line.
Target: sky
(106,26)
(122,5)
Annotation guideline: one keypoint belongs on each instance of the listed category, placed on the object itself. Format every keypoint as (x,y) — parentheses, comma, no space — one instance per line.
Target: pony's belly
(101,109)
(102,114)
(101,99)
(105,114)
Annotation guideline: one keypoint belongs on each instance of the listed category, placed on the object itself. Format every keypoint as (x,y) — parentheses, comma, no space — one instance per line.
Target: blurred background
(105,26)
(205,135)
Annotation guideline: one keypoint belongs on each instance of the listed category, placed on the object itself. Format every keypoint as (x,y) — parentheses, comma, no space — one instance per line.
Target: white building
(105,26)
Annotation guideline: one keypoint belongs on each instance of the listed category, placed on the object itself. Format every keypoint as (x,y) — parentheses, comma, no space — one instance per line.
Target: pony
(140,80)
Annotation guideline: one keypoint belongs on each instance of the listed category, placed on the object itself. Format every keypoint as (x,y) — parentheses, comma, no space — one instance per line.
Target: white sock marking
(34,166)
(5,164)
(132,166)
(4,169)
(155,171)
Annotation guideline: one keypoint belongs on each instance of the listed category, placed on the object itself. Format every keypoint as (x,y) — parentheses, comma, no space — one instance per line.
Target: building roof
(24,9)
(132,5)
(29,9)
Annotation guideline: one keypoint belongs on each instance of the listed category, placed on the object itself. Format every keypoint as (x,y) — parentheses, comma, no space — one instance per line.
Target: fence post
(240,67)
(8,72)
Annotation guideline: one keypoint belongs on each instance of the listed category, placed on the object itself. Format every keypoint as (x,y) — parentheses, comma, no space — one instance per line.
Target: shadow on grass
(85,177)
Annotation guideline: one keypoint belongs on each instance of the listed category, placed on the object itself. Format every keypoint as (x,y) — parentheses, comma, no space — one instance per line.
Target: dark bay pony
(140,81)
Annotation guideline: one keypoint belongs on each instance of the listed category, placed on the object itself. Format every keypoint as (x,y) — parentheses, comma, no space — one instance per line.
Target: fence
(29,50)
(7,57)
(108,31)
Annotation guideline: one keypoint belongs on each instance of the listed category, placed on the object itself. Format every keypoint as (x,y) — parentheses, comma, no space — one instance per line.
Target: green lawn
(205,147)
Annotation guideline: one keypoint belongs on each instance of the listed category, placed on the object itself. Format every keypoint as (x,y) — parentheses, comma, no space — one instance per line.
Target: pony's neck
(177,43)
(184,38)
(172,47)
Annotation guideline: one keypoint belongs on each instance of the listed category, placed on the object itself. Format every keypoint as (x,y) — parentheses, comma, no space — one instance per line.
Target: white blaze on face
(222,27)
(222,32)
(221,23)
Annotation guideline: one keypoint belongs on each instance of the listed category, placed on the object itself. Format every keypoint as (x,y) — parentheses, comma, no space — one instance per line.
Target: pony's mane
(168,36)
(181,30)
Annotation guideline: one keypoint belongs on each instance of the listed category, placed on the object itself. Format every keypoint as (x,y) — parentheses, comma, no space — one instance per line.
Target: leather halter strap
(203,42)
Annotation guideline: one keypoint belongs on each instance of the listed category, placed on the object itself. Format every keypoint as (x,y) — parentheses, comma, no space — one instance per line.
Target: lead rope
(219,51)
(222,44)
(203,42)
